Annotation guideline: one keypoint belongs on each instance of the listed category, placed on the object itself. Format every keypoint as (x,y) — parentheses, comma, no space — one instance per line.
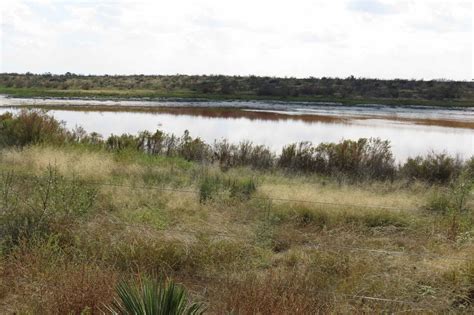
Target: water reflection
(274,110)
(407,137)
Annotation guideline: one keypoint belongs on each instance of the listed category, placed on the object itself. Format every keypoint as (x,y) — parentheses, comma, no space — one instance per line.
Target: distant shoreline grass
(177,95)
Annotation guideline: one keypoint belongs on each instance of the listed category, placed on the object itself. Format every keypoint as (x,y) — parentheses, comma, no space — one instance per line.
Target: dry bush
(79,288)
(43,279)
(271,293)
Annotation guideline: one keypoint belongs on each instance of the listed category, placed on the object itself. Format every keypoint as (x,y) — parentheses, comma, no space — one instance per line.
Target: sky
(410,39)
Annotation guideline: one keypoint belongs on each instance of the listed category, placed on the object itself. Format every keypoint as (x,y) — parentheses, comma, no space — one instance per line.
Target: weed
(208,188)
(242,189)
(239,188)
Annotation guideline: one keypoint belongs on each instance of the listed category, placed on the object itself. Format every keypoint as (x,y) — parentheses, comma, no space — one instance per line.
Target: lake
(412,130)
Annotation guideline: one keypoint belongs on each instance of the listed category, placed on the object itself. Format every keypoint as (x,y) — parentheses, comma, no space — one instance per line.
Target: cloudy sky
(301,38)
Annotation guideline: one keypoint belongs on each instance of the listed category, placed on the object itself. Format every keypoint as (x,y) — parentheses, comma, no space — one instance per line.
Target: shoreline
(255,114)
(151,95)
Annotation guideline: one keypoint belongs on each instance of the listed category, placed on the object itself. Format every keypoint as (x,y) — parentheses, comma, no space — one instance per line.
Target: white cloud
(372,6)
(370,38)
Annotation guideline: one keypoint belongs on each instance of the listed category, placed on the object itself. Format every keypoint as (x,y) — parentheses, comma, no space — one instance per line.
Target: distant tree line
(350,87)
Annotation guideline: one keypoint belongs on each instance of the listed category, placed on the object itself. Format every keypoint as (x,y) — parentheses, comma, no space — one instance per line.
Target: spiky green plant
(151,297)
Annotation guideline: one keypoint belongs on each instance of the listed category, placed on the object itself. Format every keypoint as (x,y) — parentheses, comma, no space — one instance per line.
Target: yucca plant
(151,297)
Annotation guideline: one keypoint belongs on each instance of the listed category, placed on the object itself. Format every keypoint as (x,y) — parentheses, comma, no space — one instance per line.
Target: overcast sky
(300,38)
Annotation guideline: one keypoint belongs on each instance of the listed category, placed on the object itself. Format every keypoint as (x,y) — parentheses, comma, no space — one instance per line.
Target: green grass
(192,95)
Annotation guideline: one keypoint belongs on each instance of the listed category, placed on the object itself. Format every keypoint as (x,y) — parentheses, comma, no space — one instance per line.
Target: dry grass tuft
(90,165)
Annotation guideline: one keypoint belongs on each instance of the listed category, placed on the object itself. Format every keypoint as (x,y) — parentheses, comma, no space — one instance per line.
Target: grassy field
(186,94)
(92,217)
(333,228)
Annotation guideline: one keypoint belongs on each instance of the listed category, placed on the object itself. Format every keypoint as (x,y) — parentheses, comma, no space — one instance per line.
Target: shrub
(244,154)
(261,157)
(30,127)
(362,159)
(149,297)
(301,157)
(433,168)
(223,154)
(125,141)
(193,149)
(152,143)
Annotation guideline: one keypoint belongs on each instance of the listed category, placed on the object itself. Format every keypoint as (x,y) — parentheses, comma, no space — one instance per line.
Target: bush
(125,141)
(30,127)
(300,157)
(244,154)
(362,159)
(193,149)
(159,143)
(434,168)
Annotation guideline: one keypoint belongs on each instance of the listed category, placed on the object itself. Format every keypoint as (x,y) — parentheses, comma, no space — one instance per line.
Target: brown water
(411,130)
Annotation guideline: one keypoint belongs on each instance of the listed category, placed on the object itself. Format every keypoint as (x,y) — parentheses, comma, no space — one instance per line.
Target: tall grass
(35,207)
(238,188)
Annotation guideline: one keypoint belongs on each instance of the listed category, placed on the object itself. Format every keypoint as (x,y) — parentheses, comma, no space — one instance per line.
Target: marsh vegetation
(86,222)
